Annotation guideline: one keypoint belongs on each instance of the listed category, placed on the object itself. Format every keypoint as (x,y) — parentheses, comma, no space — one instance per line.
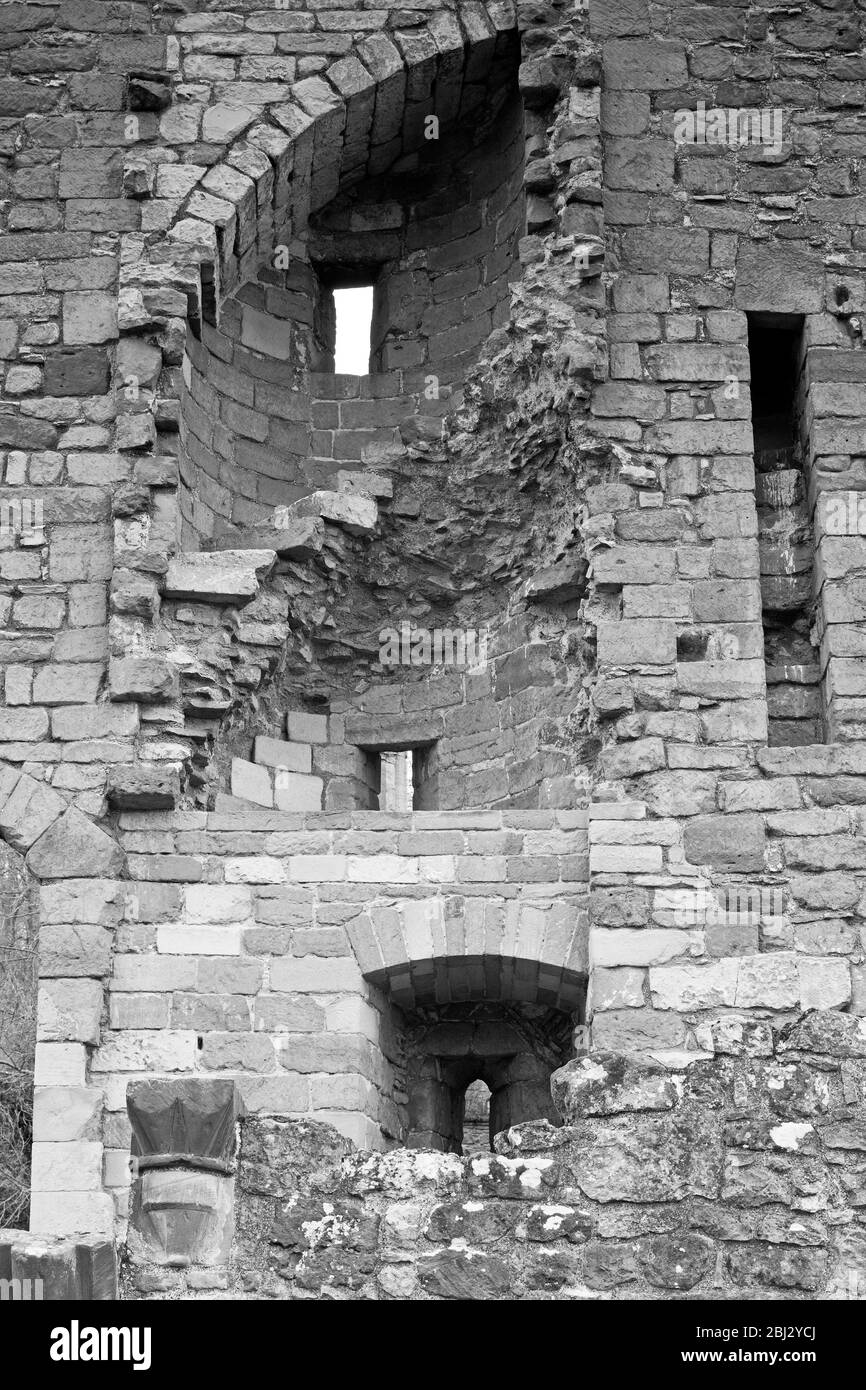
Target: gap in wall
(353,312)
(785,535)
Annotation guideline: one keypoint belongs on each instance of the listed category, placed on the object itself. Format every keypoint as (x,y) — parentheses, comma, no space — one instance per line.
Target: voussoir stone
(73,847)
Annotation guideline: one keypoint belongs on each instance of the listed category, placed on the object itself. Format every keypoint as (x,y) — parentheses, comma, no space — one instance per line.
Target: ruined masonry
(301,910)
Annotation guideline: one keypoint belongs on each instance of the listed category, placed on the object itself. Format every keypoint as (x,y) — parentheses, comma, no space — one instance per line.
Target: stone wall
(741,1177)
(587,490)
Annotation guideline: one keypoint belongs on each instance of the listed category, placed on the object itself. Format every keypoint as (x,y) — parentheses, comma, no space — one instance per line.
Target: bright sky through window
(354,308)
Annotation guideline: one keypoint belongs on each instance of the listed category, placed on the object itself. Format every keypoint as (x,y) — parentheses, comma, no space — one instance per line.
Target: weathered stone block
(76,372)
(73,847)
(137,787)
(789,282)
(228,576)
(726,841)
(607,1084)
(307,728)
(147,679)
(650,946)
(292,757)
(69,1011)
(295,792)
(251,782)
(28,812)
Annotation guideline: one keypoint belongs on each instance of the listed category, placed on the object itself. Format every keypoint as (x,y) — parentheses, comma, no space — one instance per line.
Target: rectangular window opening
(346,318)
(353,311)
(785,534)
(402,780)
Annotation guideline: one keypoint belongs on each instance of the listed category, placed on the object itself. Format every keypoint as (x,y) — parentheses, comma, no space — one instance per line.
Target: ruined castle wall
(734,1179)
(257,947)
(698,236)
(114,260)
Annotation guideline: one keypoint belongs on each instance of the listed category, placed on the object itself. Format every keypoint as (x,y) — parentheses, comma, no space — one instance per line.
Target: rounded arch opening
(407,167)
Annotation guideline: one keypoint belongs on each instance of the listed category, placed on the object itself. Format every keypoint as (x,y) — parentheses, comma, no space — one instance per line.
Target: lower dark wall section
(36,1268)
(742,1177)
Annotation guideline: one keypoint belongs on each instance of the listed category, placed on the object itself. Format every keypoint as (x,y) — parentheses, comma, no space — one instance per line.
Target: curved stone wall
(263,420)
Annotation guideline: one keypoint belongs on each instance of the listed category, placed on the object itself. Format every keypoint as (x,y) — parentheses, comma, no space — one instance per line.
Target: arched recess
(280,163)
(472,990)
(452,950)
(284,161)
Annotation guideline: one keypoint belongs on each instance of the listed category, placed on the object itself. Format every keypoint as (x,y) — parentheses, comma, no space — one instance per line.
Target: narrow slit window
(786,539)
(353,309)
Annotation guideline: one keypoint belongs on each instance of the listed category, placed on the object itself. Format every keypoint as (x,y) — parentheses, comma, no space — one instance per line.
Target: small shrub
(18,985)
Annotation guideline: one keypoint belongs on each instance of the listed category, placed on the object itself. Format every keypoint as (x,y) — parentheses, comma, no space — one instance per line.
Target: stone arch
(452,950)
(473,990)
(279,163)
(275,168)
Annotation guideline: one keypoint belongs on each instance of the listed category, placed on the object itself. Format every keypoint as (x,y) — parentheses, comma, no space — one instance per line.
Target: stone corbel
(183,1150)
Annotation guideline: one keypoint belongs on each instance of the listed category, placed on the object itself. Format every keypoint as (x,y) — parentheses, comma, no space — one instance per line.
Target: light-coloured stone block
(74,1165)
(382,868)
(294,791)
(67,1213)
(649,946)
(217,902)
(687,987)
(315,974)
(634,832)
(60,1064)
(146,1051)
(286,757)
(616,989)
(224,576)
(307,728)
(69,1011)
(771,981)
(625,859)
(255,868)
(216,940)
(317,868)
(252,783)
(824,984)
(64,1113)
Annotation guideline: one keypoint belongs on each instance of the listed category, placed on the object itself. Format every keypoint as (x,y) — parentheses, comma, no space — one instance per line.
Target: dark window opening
(473,1070)
(477,1138)
(786,539)
(345,319)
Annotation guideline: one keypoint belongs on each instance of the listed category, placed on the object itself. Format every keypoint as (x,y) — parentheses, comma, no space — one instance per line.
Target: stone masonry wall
(256,946)
(591,495)
(738,1178)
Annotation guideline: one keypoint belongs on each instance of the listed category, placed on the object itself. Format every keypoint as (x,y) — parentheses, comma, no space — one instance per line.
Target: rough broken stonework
(494,719)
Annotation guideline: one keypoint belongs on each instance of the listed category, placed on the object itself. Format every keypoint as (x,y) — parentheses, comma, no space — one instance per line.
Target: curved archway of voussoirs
(428,952)
(364,113)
